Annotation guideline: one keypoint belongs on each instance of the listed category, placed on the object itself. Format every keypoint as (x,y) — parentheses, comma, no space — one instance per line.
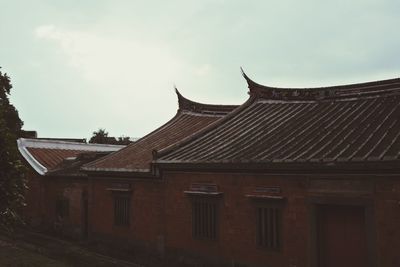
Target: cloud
(109,61)
(131,79)
(130,54)
(203,70)
(125,77)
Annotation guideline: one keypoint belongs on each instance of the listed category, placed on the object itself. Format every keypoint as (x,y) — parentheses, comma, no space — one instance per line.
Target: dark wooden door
(342,236)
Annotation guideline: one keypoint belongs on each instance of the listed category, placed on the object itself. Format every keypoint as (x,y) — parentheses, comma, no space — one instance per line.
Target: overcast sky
(77,66)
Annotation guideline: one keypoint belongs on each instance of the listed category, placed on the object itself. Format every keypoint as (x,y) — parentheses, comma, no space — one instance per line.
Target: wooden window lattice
(204,218)
(121,210)
(269,227)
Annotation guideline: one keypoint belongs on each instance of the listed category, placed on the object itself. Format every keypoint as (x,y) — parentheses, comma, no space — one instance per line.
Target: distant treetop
(101,137)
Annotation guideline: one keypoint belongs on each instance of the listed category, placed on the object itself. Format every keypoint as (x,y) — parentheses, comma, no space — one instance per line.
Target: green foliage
(124,140)
(101,137)
(12,171)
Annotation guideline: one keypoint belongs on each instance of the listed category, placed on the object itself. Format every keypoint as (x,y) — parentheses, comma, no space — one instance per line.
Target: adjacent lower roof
(351,123)
(191,118)
(47,155)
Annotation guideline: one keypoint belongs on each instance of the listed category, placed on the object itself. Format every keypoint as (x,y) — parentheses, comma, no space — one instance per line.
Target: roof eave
(39,168)
(118,172)
(285,167)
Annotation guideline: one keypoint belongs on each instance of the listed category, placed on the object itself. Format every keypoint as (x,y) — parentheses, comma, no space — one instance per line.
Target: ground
(35,250)
(11,255)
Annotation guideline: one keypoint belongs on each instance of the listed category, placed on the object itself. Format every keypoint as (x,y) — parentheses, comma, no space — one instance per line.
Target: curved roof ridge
(171,148)
(190,118)
(355,90)
(196,107)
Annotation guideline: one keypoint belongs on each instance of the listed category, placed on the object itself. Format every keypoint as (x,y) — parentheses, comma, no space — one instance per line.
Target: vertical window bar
(127,210)
(208,220)
(278,229)
(203,221)
(215,220)
(116,210)
(196,219)
(271,229)
(123,207)
(264,232)
(260,227)
(212,220)
(274,219)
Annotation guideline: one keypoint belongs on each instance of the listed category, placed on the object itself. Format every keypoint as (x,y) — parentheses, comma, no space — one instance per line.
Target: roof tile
(359,122)
(190,118)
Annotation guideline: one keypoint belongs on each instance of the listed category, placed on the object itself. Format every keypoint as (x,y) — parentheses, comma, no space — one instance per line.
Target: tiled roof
(71,166)
(50,158)
(351,123)
(46,155)
(190,118)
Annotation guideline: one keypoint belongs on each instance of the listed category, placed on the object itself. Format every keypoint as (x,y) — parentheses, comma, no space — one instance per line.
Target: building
(126,194)
(57,191)
(293,177)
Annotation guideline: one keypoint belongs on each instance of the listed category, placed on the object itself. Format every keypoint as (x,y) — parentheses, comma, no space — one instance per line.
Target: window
(204,218)
(62,207)
(269,227)
(121,209)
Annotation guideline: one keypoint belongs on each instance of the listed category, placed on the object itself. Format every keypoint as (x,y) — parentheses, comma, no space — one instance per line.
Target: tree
(12,170)
(101,137)
(124,140)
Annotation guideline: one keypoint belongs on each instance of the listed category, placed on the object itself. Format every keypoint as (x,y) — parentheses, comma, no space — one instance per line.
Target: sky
(77,66)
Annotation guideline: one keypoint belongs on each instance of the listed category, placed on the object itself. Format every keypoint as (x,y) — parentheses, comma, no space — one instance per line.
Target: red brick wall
(71,189)
(161,211)
(33,212)
(237,237)
(41,197)
(387,210)
(236,240)
(145,214)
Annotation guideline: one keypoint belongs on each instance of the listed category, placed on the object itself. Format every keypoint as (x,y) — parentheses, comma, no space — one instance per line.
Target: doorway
(341,236)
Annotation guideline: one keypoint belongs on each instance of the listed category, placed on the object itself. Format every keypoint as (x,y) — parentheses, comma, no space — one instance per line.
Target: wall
(161,214)
(236,243)
(387,210)
(72,189)
(33,212)
(41,197)
(237,232)
(146,220)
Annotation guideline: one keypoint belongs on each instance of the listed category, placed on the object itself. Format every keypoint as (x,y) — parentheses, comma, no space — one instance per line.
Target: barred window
(62,207)
(204,218)
(269,227)
(121,209)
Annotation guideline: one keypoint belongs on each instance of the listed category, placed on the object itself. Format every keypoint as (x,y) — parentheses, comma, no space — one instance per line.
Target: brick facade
(42,197)
(236,241)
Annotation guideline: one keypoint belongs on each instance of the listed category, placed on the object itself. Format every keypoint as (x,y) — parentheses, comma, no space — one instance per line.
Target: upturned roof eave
(187,107)
(378,87)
